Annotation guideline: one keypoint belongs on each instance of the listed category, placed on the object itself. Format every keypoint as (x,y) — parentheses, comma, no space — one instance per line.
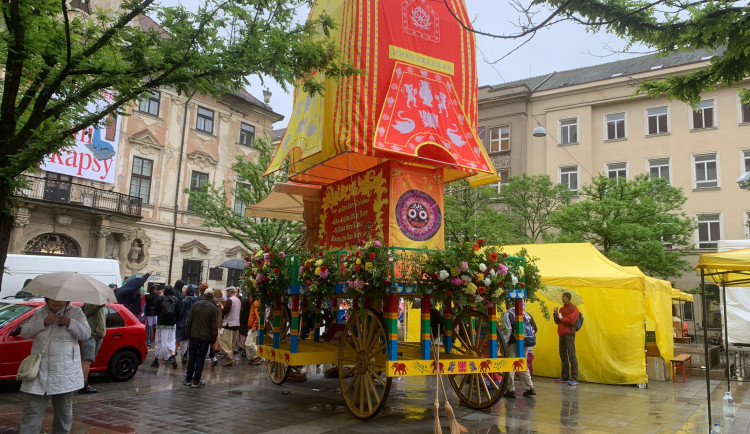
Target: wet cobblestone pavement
(241,399)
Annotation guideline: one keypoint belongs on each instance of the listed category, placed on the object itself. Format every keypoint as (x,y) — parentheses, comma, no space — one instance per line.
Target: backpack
(528,333)
(579,321)
(168,309)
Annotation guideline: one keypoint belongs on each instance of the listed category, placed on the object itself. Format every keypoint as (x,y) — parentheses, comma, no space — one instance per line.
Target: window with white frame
(709,230)
(247,134)
(150,103)
(706,171)
(500,138)
(659,168)
(744,113)
(504,174)
(746,160)
(657,119)
(615,126)
(205,120)
(617,171)
(197,179)
(568,176)
(747,222)
(703,116)
(140,178)
(568,131)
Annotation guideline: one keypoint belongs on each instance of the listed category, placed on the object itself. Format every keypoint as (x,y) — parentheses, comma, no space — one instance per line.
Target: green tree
(529,201)
(470,215)
(666,26)
(214,203)
(630,221)
(56,61)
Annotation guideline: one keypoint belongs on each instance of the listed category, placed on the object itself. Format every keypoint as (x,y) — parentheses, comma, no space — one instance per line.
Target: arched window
(52,244)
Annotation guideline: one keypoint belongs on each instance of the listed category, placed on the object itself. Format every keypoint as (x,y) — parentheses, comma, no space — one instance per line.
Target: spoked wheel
(471,331)
(362,358)
(276,370)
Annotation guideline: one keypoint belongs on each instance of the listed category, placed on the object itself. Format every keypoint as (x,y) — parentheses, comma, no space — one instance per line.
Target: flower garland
(368,270)
(265,275)
(472,276)
(320,275)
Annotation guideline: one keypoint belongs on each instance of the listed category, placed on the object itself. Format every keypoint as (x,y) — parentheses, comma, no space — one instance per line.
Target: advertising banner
(93,156)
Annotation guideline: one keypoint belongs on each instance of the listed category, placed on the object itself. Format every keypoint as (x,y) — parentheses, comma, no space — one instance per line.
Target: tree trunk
(6,224)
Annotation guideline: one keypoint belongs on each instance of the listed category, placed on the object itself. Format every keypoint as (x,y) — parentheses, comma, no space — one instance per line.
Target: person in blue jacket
(129,294)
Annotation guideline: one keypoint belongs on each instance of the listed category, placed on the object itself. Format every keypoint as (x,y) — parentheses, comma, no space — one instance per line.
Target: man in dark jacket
(129,294)
(168,310)
(179,290)
(202,331)
(185,306)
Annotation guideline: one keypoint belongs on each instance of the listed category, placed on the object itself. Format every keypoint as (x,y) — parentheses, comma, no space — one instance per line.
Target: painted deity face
(418,215)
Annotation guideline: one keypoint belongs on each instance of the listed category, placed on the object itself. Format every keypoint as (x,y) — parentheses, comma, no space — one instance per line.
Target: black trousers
(196,359)
(568,357)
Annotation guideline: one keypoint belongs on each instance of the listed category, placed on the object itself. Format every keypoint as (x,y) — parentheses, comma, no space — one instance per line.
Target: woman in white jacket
(60,371)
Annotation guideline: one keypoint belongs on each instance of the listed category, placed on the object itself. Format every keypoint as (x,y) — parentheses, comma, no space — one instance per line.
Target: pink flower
(356,284)
(378,244)
(282,254)
(464,265)
(301,269)
(456,281)
(324,274)
(259,278)
(502,269)
(490,305)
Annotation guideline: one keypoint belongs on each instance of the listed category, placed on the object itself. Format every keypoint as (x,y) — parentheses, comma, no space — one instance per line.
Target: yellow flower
(521,272)
(359,261)
(317,271)
(470,289)
(319,262)
(480,276)
(454,271)
(368,266)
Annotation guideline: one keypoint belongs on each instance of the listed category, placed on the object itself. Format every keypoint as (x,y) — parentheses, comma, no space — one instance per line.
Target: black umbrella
(236,263)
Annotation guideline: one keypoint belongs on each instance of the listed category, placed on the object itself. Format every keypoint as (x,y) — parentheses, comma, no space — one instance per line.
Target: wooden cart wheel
(276,370)
(361,364)
(471,333)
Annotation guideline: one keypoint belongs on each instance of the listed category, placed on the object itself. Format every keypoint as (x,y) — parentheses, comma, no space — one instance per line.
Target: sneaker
(530,392)
(87,389)
(573,382)
(256,361)
(197,385)
(187,383)
(560,380)
(214,362)
(173,360)
(510,394)
(155,363)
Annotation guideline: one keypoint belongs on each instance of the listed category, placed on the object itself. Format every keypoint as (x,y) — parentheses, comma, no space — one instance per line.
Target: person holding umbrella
(56,326)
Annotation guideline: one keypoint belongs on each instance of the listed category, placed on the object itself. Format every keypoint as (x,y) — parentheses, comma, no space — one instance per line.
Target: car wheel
(123,365)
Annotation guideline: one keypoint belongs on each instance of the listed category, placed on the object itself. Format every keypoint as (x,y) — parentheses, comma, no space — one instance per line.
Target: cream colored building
(168,143)
(595,125)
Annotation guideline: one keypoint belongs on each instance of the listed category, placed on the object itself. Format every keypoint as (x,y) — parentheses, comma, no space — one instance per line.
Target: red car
(123,348)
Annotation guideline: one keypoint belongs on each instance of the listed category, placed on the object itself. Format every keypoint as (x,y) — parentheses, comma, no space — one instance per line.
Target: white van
(22,267)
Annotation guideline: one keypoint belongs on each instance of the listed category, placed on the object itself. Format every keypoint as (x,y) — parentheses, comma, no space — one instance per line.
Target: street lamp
(744,180)
(539,131)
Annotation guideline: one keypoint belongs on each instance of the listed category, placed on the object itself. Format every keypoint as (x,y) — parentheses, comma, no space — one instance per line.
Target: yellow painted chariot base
(452,366)
(310,353)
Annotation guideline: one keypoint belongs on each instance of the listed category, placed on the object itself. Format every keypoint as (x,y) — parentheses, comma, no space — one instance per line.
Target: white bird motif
(405,125)
(455,138)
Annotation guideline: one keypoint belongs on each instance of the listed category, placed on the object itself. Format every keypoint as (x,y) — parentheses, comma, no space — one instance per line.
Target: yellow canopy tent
(730,268)
(680,295)
(613,300)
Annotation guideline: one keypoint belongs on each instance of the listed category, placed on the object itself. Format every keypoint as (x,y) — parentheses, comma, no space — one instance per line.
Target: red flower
(323,268)
(247,259)
(448,293)
(523,285)
(476,247)
(480,242)
(505,255)
(372,256)
(501,283)
(387,283)
(481,290)
(276,271)
(357,268)
(358,253)
(493,257)
(266,248)
(435,275)
(270,256)
(320,254)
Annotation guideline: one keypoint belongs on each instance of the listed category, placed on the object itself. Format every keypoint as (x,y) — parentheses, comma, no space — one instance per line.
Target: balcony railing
(60,191)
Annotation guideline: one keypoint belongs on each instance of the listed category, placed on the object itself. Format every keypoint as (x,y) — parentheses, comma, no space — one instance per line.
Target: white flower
(493,273)
(514,279)
(482,267)
(487,281)
(477,298)
(465,278)
(442,275)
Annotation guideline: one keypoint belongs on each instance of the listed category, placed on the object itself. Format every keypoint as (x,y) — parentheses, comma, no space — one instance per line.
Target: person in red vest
(565,318)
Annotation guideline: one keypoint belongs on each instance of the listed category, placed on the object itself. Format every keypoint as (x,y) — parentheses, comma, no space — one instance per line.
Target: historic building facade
(167,143)
(596,125)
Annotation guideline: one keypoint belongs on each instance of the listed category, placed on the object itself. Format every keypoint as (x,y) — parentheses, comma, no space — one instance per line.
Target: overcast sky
(563,46)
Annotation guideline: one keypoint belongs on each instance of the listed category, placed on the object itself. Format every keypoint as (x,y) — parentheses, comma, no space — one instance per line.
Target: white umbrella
(70,286)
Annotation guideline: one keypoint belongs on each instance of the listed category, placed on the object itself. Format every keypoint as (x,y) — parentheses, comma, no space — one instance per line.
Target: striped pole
(519,328)
(426,327)
(277,323)
(305,318)
(295,323)
(261,323)
(316,332)
(448,326)
(390,313)
(492,313)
